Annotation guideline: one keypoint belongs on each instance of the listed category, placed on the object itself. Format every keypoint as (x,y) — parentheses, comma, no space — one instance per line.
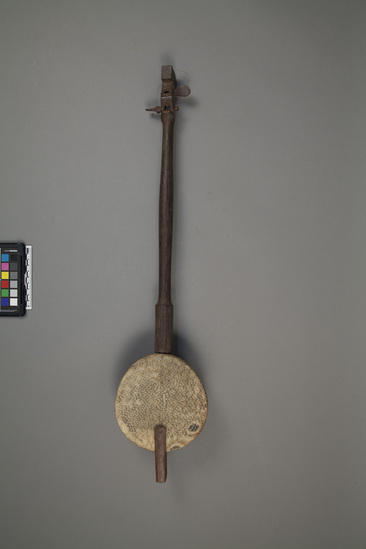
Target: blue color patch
(5,302)
(4,257)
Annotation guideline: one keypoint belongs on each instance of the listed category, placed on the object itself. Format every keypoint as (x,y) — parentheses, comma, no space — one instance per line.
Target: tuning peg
(155,109)
(183,91)
(159,110)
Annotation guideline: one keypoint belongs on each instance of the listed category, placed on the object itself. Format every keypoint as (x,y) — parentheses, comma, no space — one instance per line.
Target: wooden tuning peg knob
(182,91)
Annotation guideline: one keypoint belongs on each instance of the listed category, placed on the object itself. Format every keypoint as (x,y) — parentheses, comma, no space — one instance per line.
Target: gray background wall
(269,276)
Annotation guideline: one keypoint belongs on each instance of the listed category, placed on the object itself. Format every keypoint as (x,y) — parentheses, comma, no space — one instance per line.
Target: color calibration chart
(16,279)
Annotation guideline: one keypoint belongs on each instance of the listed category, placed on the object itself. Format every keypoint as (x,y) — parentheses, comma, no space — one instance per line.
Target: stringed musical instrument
(161,404)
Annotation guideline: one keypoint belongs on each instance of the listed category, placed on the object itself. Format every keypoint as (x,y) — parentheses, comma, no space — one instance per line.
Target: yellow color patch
(5,275)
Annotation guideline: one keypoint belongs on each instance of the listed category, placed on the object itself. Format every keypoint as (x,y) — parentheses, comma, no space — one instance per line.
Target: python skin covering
(161,389)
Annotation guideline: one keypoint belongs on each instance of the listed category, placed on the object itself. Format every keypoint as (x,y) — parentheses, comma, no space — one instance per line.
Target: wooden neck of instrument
(164,307)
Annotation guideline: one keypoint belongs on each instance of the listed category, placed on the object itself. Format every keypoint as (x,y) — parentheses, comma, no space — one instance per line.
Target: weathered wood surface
(160,453)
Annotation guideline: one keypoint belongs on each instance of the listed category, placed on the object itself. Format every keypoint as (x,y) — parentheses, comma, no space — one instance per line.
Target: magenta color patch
(5,266)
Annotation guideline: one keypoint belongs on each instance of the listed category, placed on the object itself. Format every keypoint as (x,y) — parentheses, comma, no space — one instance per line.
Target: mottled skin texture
(161,389)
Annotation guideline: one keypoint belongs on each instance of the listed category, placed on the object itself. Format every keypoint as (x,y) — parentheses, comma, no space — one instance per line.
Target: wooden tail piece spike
(160,453)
